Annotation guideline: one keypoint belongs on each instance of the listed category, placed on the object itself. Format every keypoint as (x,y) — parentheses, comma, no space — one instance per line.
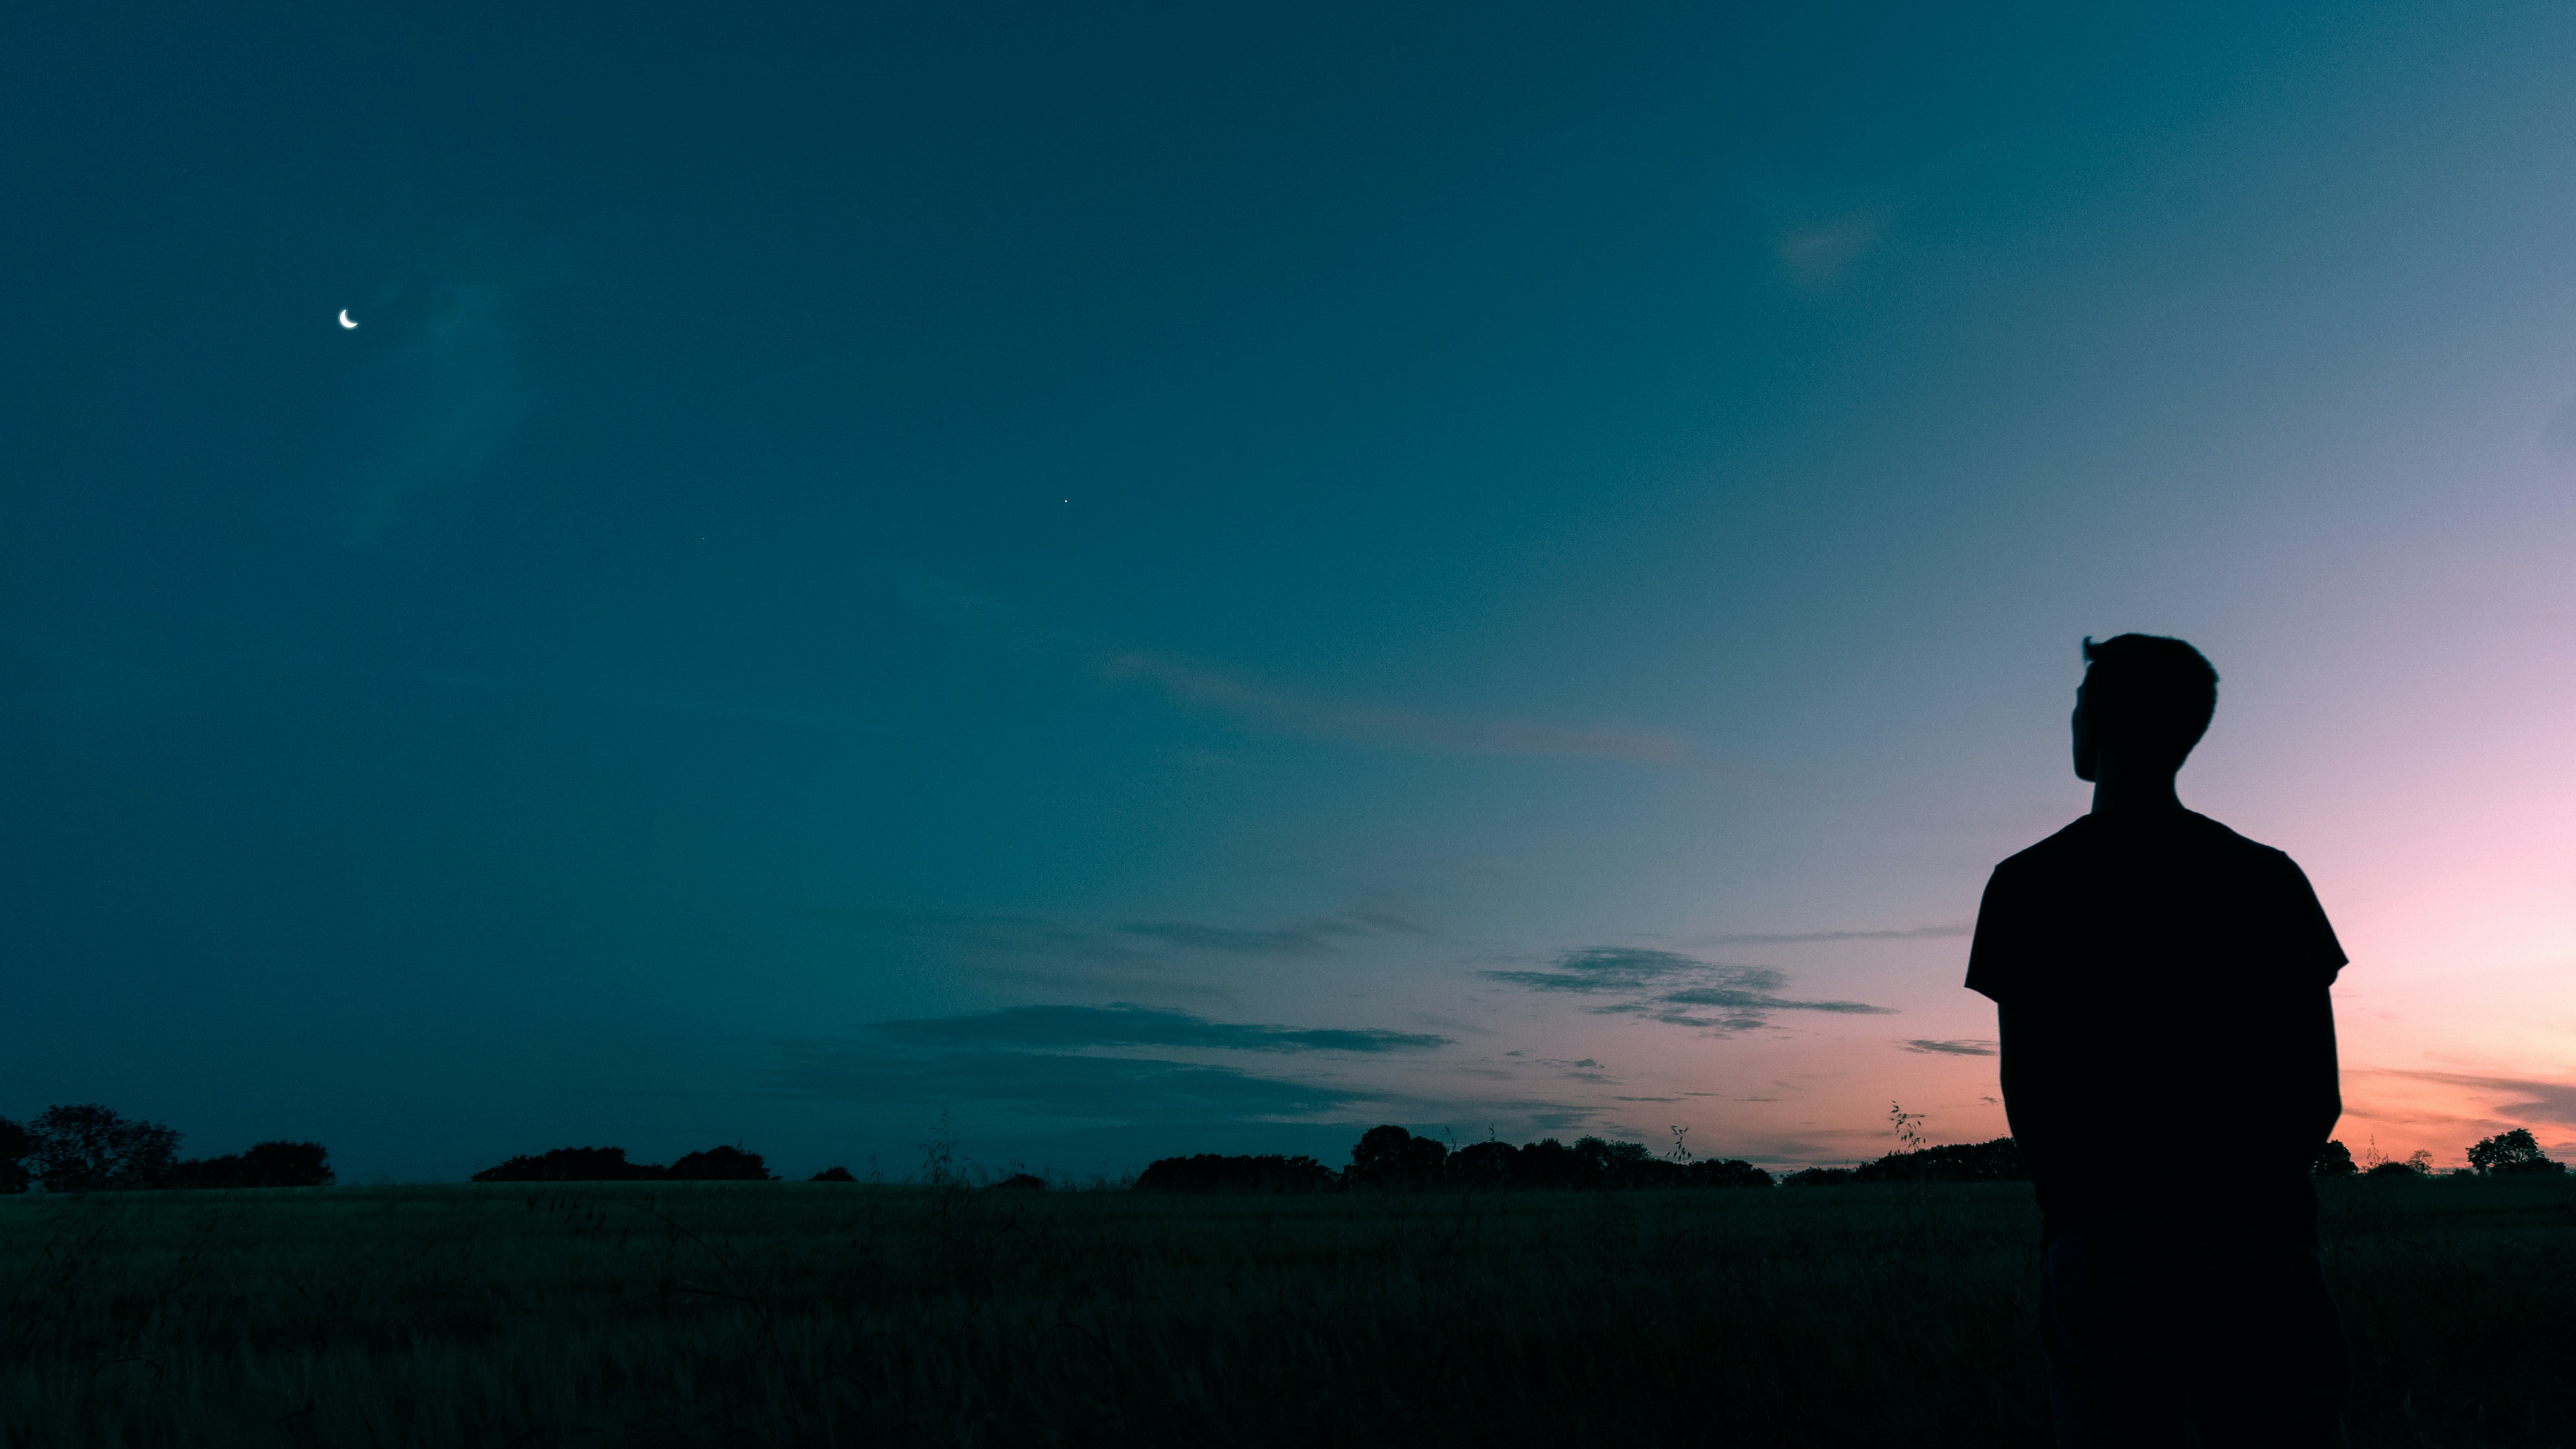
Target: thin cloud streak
(1910,933)
(1284,713)
(2532,1100)
(747,711)
(1052,1084)
(1307,940)
(1125,1024)
(1676,989)
(430,415)
(1139,955)
(1963,1047)
(1277,711)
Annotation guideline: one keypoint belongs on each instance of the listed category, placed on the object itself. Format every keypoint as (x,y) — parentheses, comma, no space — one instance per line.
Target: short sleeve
(1996,957)
(2309,950)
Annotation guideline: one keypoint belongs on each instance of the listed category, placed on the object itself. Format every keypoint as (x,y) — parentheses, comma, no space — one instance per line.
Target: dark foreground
(795,1314)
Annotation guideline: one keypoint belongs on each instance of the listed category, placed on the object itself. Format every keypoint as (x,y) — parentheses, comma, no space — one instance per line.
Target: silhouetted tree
(572,1164)
(1211,1172)
(2335,1160)
(1021,1182)
(87,1148)
(1819,1177)
(15,1144)
(832,1174)
(719,1164)
(1609,1164)
(1390,1157)
(2395,1169)
(1548,1163)
(2512,1153)
(266,1164)
(1482,1165)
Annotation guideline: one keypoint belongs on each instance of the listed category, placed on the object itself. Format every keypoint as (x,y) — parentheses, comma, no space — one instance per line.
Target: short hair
(2148,694)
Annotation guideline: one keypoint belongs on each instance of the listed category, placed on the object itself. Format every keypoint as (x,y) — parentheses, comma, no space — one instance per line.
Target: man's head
(2146,698)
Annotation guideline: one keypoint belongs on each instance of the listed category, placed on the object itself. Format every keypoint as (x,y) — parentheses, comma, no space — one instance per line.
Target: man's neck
(2123,795)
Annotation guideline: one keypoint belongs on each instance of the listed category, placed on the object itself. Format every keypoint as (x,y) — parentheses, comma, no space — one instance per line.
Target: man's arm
(1994,954)
(2321,1095)
(2313,958)
(2035,1095)
(2036,1102)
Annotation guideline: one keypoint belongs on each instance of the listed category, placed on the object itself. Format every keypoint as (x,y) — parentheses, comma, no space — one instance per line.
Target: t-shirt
(2168,1041)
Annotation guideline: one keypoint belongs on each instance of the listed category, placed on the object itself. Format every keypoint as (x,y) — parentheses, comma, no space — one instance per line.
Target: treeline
(1390,1158)
(2507,1154)
(89,1148)
(609,1164)
(1996,1161)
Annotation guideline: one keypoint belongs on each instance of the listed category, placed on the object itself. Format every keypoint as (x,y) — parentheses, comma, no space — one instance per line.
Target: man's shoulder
(2085,835)
(2218,839)
(2057,850)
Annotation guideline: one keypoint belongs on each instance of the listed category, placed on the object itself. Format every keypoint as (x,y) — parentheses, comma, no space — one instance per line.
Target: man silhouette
(2169,1071)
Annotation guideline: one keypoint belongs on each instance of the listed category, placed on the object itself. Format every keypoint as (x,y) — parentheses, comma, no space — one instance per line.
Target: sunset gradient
(1150,580)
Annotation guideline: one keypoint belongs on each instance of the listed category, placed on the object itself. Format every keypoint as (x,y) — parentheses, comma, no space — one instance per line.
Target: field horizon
(801,1313)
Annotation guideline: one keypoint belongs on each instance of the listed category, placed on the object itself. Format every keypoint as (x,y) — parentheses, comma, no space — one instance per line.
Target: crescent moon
(345,322)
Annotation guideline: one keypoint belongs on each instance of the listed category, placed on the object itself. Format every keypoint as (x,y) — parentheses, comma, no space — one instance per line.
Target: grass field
(811,1314)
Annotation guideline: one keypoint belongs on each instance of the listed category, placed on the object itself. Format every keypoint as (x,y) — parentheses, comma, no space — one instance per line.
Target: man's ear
(2087,749)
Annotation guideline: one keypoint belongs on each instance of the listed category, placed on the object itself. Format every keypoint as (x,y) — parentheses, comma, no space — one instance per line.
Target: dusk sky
(1199,578)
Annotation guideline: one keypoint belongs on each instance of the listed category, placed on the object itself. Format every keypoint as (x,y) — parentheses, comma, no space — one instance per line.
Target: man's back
(2169,1067)
(2168,1044)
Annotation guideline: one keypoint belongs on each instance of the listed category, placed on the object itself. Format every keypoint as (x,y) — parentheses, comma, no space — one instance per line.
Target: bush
(572,1164)
(15,1144)
(609,1164)
(2395,1169)
(1549,1163)
(2335,1160)
(1820,1177)
(266,1164)
(720,1164)
(1723,1172)
(1021,1182)
(1995,1161)
(832,1174)
(1483,1164)
(1210,1172)
(1392,1157)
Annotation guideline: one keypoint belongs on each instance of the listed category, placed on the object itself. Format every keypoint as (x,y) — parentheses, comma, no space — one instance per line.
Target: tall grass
(794,1314)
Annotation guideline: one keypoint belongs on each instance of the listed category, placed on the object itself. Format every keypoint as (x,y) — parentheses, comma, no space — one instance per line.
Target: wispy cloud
(1263,708)
(2525,1099)
(1122,956)
(430,409)
(1671,987)
(1800,938)
(1301,940)
(1614,968)
(1055,1085)
(1285,713)
(749,711)
(1819,253)
(1072,1062)
(1963,1047)
(1122,1024)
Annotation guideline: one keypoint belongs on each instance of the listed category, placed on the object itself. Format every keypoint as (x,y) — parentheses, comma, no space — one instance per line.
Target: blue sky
(1158,579)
